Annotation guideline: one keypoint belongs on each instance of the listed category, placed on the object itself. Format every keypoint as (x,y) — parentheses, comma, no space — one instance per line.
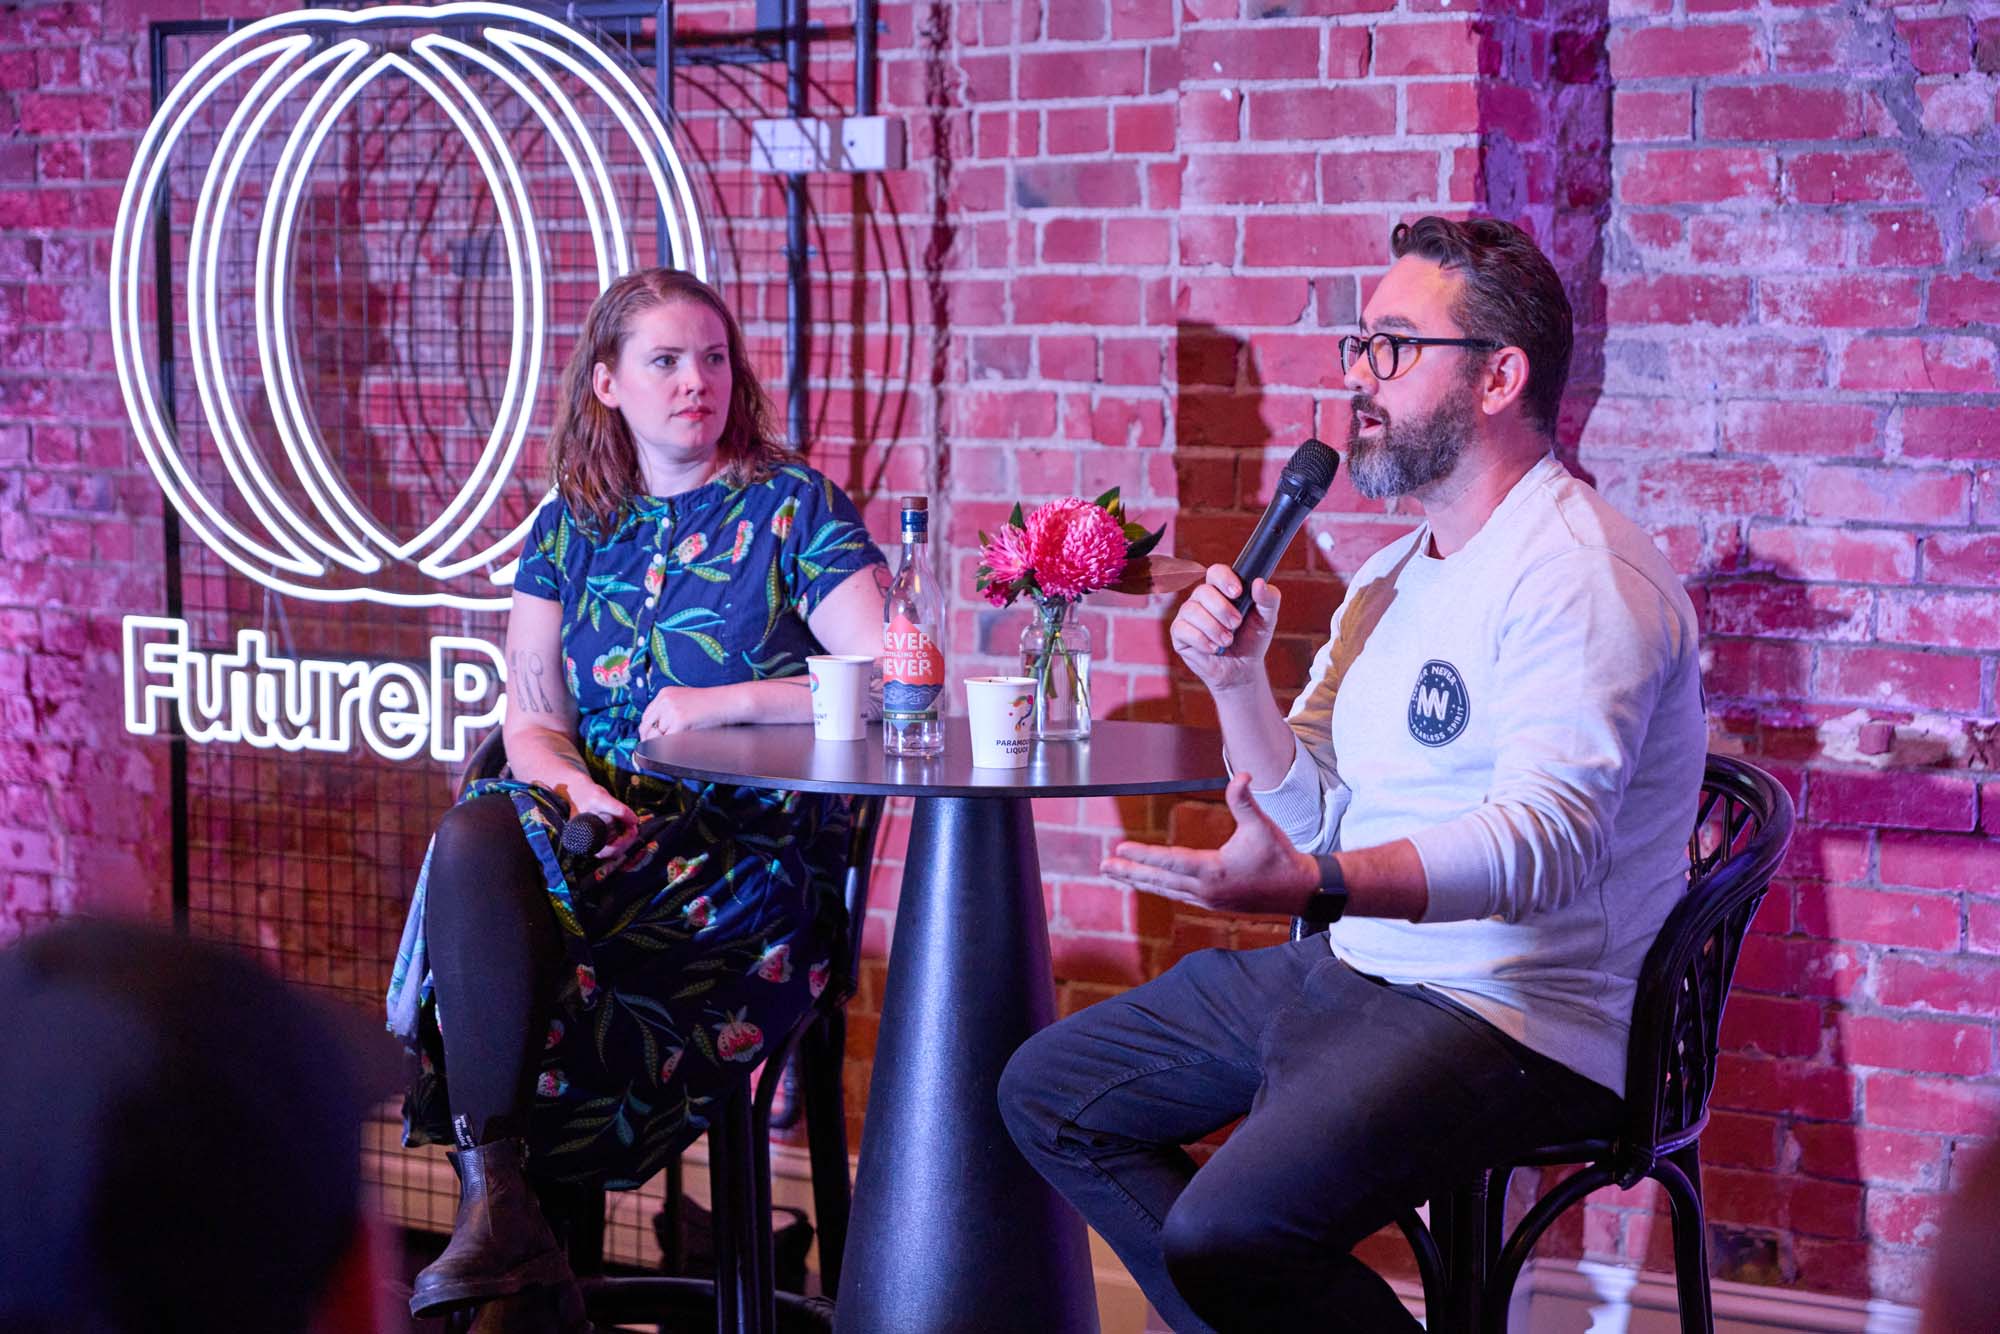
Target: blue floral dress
(711,936)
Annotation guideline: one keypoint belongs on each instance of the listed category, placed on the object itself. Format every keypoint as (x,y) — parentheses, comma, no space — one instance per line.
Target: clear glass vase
(1055,651)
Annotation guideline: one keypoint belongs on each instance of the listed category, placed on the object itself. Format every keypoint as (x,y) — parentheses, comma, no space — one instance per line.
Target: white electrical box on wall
(872,143)
(855,143)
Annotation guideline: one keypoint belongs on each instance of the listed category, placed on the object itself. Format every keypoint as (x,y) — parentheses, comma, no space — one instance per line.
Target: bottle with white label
(912,660)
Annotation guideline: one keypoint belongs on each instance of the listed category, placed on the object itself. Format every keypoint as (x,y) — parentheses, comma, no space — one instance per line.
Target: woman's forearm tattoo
(531,691)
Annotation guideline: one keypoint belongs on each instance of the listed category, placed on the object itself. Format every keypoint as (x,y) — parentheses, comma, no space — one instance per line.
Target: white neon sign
(295,704)
(288,551)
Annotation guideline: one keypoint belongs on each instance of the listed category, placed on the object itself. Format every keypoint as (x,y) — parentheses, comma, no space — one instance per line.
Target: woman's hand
(687,709)
(587,798)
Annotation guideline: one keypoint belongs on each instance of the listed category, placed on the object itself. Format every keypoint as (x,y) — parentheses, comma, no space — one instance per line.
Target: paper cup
(1000,710)
(839,685)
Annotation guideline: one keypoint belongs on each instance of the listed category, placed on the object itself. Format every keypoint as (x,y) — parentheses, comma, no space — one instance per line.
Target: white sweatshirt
(1528,713)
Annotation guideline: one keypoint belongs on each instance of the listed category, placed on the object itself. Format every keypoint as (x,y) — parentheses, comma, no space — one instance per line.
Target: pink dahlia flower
(1007,557)
(1075,548)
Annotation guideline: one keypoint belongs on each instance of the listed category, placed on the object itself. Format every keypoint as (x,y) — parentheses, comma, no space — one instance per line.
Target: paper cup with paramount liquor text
(1000,709)
(839,685)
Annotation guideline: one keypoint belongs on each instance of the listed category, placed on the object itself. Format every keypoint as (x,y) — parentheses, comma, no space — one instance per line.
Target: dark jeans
(1358,1099)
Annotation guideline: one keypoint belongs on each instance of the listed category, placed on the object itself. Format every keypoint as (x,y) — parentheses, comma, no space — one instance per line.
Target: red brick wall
(1131,250)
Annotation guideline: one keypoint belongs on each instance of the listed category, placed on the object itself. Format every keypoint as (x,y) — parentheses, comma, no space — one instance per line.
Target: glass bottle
(912,659)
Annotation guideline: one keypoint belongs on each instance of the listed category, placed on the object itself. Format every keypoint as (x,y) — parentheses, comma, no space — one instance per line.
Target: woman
(592,1009)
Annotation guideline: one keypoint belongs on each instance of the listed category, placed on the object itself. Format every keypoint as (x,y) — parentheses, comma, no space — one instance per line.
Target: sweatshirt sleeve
(1586,646)
(1309,800)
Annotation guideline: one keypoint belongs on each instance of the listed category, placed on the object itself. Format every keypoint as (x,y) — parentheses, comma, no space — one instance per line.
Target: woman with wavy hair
(588,1011)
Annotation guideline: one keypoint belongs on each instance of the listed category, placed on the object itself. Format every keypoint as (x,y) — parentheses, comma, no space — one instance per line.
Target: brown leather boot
(500,1243)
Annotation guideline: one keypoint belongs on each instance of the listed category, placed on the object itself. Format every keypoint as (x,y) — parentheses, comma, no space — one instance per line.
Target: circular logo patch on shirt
(1438,705)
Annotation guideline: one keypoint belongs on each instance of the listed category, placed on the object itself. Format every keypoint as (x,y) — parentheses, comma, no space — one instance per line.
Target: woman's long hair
(592,458)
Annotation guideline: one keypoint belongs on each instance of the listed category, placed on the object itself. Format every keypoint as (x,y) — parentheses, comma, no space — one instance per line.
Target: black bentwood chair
(743,1295)
(1742,827)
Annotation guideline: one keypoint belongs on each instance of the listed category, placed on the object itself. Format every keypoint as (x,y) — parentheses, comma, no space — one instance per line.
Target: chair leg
(728,1191)
(1458,1219)
(763,1295)
(673,1248)
(1680,1173)
(820,1058)
(1430,1263)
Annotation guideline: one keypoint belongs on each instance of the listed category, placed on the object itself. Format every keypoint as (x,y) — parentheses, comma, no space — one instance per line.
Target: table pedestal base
(952,1230)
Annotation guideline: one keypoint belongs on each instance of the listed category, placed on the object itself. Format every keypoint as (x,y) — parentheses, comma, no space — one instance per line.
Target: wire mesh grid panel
(357,385)
(353,383)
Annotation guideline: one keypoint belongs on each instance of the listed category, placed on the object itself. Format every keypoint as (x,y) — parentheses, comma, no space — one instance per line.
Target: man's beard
(1408,455)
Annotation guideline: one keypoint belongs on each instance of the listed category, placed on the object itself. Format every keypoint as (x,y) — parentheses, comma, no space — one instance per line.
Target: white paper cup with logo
(1000,710)
(839,685)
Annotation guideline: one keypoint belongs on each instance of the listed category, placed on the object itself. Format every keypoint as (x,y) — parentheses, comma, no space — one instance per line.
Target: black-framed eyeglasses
(1385,350)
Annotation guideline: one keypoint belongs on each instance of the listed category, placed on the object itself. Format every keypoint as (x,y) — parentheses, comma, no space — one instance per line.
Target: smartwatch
(1329,901)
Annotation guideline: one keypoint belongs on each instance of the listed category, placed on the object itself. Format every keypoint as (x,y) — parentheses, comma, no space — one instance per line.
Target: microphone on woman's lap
(583,834)
(1301,486)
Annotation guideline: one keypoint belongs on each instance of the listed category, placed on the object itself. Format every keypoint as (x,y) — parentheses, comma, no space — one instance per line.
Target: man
(1486,787)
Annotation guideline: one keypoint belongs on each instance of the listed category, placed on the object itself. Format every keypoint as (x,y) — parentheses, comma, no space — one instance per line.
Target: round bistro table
(951,1229)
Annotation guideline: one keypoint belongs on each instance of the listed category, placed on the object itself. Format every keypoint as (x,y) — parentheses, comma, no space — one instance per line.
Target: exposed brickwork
(1778,227)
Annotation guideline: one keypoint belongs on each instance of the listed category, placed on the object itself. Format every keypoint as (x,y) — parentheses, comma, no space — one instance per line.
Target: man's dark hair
(1511,295)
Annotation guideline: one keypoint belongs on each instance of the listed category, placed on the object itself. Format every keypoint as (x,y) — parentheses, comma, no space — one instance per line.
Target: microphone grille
(1314,464)
(582,835)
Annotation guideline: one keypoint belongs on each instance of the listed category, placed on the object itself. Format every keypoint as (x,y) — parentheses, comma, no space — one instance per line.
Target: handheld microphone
(1301,486)
(583,835)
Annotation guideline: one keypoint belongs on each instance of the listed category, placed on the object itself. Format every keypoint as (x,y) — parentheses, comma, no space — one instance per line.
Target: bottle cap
(916,502)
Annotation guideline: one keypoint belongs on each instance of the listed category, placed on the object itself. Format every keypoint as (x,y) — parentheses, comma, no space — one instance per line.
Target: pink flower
(691,547)
(817,976)
(736,1038)
(1008,558)
(1075,548)
(552,1084)
(775,965)
(671,1064)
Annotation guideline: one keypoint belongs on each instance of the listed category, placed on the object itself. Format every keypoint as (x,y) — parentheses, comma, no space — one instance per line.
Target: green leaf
(1015,518)
(691,618)
(620,615)
(1144,546)
(1108,501)
(703,572)
(694,989)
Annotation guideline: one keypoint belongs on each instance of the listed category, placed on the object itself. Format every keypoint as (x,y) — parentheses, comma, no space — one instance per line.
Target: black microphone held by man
(1301,486)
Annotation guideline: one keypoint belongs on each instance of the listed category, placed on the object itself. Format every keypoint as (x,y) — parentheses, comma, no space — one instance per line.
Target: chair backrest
(1742,827)
(489,759)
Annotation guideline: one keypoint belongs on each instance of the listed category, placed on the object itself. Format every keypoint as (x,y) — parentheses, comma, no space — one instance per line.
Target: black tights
(495,950)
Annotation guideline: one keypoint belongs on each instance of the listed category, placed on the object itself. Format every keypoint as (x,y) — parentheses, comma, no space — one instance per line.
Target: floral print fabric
(709,938)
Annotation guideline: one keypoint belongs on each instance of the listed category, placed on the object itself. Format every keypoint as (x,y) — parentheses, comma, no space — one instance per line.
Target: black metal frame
(1742,828)
(789,42)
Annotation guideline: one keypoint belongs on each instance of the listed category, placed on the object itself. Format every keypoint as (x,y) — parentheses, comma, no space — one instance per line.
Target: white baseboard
(1553,1296)
(1589,1297)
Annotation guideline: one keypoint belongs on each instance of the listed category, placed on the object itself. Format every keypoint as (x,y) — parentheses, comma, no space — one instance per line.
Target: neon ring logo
(304,53)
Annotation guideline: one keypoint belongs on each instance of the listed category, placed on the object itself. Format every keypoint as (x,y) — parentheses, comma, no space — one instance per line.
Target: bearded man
(1484,791)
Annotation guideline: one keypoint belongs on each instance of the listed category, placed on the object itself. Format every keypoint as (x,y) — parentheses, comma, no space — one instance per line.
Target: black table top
(1120,757)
